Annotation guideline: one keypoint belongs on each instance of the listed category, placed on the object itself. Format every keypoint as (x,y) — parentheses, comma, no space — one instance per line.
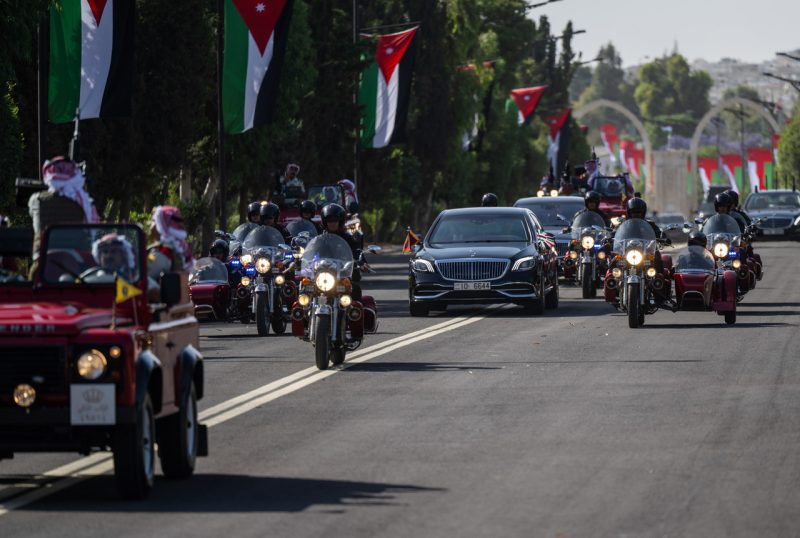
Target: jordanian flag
(709,172)
(526,100)
(608,133)
(385,90)
(558,142)
(255,41)
(732,166)
(91,59)
(760,168)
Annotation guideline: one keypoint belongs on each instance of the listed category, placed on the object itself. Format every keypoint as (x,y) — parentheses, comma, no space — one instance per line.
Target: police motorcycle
(725,243)
(210,289)
(263,261)
(585,252)
(633,284)
(326,313)
(703,283)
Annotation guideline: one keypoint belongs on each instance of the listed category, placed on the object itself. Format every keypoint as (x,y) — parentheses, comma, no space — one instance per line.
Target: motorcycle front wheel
(632,305)
(262,316)
(322,340)
(587,281)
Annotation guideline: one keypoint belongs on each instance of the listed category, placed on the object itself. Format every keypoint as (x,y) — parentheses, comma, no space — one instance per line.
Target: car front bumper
(432,288)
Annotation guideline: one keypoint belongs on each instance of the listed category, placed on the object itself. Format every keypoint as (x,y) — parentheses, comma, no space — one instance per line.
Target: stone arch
(650,185)
(713,113)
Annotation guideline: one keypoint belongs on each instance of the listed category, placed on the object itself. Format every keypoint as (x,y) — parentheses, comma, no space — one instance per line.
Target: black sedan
(484,255)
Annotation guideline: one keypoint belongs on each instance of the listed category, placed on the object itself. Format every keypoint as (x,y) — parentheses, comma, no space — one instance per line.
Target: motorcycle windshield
(209,271)
(721,228)
(588,223)
(239,234)
(695,259)
(329,252)
(263,240)
(635,233)
(296,227)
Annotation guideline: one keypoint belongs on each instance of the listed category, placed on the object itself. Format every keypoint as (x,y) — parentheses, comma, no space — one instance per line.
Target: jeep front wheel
(134,454)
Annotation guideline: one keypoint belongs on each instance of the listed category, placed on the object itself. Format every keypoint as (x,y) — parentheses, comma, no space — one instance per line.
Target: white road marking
(102,462)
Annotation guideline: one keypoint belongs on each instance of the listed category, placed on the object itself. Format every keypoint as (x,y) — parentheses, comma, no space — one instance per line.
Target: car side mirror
(171,288)
(687,227)
(416,248)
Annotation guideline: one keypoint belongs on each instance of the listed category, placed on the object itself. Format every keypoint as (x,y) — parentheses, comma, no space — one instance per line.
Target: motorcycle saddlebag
(370,314)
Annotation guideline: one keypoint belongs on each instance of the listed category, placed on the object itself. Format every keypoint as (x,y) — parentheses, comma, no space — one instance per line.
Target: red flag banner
(707,166)
(559,140)
(526,100)
(758,162)
(608,133)
(732,166)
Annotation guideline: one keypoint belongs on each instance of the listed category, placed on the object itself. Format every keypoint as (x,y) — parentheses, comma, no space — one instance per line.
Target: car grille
(776,222)
(42,367)
(562,247)
(473,269)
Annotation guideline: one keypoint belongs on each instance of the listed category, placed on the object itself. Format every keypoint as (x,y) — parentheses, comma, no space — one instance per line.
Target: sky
(751,31)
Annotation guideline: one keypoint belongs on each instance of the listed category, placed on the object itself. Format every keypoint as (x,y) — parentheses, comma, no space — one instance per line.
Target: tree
(789,153)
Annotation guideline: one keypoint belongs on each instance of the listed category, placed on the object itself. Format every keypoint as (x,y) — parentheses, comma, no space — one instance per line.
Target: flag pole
(355,99)
(223,213)
(43,43)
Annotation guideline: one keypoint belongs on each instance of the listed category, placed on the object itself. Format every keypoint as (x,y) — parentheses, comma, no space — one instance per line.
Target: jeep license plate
(472,286)
(92,405)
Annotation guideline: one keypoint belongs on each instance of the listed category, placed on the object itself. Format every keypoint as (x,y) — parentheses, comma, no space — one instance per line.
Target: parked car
(781,208)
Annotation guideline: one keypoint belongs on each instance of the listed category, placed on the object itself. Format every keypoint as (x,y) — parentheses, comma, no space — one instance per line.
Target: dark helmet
(270,211)
(219,245)
(697,239)
(592,196)
(308,207)
(489,200)
(253,209)
(333,212)
(636,205)
(734,197)
(723,199)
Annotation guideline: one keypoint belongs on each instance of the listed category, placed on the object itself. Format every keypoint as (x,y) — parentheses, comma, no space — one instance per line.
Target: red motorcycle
(725,243)
(703,283)
(210,289)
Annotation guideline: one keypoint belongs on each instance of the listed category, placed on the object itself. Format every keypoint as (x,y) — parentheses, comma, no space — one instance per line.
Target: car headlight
(263,265)
(247,259)
(634,257)
(92,364)
(616,272)
(345,301)
(554,192)
(797,221)
(651,272)
(424,266)
(720,250)
(587,242)
(245,281)
(737,264)
(325,281)
(524,264)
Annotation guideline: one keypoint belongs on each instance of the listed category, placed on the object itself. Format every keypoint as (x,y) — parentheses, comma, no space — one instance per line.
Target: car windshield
(323,195)
(721,224)
(208,270)
(547,213)
(327,252)
(772,200)
(92,254)
(695,259)
(479,228)
(301,225)
(609,186)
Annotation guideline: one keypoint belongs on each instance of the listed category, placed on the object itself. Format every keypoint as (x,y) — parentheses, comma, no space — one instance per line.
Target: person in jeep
(169,251)
(114,254)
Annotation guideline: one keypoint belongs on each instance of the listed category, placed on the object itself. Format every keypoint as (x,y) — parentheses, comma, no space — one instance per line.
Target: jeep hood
(29,319)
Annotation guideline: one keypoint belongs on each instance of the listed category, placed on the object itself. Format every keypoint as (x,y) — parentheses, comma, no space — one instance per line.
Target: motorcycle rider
(269,214)
(697,239)
(308,210)
(489,200)
(219,250)
(592,202)
(636,208)
(723,205)
(735,209)
(333,216)
(254,212)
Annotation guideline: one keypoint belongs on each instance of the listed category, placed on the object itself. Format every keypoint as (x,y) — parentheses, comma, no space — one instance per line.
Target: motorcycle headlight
(737,264)
(345,301)
(616,272)
(540,193)
(524,264)
(280,280)
(325,281)
(263,265)
(304,300)
(247,259)
(634,257)
(423,266)
(573,255)
(554,192)
(720,250)
(601,255)
(651,272)
(245,281)
(91,365)
(587,242)
(298,253)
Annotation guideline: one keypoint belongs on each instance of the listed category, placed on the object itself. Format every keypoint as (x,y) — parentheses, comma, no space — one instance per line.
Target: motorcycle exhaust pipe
(611,283)
(297,314)
(354,314)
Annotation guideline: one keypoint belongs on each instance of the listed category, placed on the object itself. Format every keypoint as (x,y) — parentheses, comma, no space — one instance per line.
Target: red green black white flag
(385,89)
(558,142)
(526,100)
(91,59)
(256,32)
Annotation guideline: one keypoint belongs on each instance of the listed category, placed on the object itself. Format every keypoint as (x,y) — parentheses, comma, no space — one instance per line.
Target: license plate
(472,286)
(92,405)
(773,231)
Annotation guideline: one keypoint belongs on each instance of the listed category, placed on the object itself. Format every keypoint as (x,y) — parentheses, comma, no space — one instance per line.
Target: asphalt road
(493,424)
